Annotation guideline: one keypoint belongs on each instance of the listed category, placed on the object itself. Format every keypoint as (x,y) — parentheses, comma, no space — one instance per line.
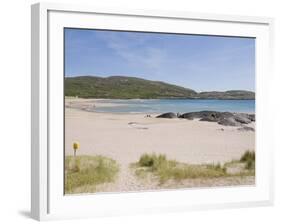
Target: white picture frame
(47,199)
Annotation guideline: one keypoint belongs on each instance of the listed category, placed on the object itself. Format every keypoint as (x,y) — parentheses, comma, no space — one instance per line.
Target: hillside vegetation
(121,87)
(231,94)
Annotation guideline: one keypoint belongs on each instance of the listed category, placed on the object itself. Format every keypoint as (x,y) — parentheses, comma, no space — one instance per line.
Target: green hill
(122,87)
(231,94)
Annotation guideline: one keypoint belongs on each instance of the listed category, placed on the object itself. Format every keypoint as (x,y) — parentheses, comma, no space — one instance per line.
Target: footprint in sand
(137,125)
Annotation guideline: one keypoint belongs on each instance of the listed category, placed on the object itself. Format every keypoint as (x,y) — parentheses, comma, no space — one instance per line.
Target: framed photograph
(148,111)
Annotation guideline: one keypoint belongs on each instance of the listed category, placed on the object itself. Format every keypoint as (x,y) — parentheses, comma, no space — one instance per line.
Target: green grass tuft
(171,169)
(165,169)
(83,173)
(248,155)
(249,158)
(153,160)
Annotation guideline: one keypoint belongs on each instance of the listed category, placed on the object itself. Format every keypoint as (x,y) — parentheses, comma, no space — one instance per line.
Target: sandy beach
(125,137)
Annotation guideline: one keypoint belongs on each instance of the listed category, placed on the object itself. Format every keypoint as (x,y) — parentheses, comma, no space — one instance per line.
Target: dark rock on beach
(223,118)
(242,118)
(167,115)
(245,128)
(230,121)
(252,117)
(206,115)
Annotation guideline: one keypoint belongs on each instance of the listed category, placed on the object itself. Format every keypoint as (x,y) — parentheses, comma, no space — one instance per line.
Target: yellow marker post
(75,146)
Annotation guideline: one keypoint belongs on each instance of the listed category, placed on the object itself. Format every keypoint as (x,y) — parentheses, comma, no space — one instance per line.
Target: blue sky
(202,63)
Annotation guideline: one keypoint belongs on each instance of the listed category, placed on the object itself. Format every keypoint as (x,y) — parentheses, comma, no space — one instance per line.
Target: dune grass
(249,158)
(84,173)
(171,169)
(164,169)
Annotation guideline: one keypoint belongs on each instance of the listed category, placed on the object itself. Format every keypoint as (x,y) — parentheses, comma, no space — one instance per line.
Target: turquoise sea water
(177,106)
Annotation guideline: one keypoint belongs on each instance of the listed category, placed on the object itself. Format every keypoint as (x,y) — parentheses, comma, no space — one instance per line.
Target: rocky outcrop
(230,121)
(244,118)
(252,117)
(213,116)
(223,118)
(245,128)
(167,115)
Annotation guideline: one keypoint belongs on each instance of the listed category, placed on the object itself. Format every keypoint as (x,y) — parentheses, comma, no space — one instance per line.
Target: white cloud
(135,50)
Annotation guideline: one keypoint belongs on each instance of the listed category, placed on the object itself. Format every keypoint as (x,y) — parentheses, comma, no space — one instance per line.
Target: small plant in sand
(153,160)
(249,158)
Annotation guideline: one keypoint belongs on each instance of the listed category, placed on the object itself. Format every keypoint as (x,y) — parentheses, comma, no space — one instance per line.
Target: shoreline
(81,98)
(93,105)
